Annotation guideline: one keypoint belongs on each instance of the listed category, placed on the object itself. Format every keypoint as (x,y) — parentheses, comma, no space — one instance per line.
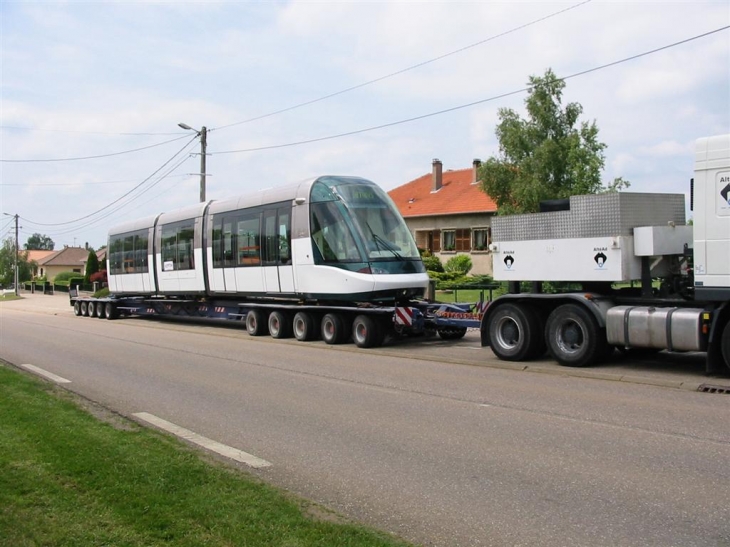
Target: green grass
(465,295)
(9,296)
(70,479)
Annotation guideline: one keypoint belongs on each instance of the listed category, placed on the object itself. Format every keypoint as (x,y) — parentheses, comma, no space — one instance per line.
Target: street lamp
(203,134)
(17,251)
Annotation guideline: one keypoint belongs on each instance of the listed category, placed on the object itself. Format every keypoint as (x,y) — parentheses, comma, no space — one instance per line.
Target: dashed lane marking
(48,375)
(209,444)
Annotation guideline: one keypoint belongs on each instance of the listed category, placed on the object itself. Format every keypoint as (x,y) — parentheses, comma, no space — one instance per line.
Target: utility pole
(203,148)
(17,252)
(203,134)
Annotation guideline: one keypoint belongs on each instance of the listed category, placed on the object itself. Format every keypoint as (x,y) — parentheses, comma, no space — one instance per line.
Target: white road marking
(49,375)
(215,446)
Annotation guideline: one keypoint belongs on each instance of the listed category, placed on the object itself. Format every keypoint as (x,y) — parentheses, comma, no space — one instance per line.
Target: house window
(456,240)
(482,238)
(449,237)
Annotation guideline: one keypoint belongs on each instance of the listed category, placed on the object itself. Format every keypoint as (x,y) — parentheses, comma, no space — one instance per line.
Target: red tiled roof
(457,195)
(68,256)
(39,255)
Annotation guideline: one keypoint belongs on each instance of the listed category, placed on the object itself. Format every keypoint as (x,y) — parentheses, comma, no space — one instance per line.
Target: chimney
(437,175)
(476,164)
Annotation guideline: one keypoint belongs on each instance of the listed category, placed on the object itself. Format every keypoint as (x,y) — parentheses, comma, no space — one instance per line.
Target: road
(437,443)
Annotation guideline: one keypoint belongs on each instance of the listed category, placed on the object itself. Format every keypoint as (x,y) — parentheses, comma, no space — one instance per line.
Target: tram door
(276,256)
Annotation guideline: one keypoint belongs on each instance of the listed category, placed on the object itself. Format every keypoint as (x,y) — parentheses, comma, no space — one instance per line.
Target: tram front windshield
(357,221)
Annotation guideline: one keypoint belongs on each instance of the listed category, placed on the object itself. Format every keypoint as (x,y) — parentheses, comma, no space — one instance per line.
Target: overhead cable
(118,199)
(381,78)
(99,156)
(481,101)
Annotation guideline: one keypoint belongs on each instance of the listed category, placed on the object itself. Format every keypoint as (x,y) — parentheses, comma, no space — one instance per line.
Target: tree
(545,156)
(92,266)
(7,264)
(39,242)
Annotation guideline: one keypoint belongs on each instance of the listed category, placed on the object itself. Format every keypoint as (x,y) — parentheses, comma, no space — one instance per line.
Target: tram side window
(169,248)
(116,255)
(177,246)
(218,243)
(224,242)
(140,253)
(284,236)
(128,253)
(248,239)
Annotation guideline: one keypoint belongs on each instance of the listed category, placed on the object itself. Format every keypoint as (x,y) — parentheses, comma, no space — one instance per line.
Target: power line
(481,101)
(381,78)
(32,185)
(99,156)
(121,205)
(20,128)
(118,199)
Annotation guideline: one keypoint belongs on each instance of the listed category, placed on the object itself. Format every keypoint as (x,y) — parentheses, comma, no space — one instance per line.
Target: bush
(432,263)
(99,276)
(64,277)
(460,264)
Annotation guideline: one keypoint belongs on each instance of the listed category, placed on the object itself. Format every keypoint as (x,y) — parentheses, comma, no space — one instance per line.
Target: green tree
(549,155)
(7,264)
(92,266)
(39,242)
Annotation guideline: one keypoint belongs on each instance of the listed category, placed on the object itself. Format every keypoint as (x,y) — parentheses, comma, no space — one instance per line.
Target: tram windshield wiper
(382,243)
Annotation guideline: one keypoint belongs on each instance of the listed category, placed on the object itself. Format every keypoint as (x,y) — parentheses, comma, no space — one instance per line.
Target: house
(448,213)
(34,257)
(68,259)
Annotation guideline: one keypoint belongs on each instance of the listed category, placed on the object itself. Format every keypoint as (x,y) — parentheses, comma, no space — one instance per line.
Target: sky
(292,90)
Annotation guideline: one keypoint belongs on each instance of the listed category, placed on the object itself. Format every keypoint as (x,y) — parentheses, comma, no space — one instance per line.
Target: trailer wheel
(85,309)
(574,337)
(99,310)
(367,332)
(77,308)
(255,323)
(725,344)
(110,311)
(333,328)
(280,325)
(305,326)
(452,333)
(515,333)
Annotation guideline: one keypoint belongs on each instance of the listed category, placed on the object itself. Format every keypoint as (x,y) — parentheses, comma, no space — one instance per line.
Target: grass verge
(69,479)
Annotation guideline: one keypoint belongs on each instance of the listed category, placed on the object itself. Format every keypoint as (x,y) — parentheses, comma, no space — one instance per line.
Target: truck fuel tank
(675,329)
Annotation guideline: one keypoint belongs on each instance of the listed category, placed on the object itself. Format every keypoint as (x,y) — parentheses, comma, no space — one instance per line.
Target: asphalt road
(434,442)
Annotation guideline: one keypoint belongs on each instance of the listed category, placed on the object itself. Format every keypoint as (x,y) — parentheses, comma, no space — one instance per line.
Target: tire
(280,324)
(85,309)
(305,326)
(515,332)
(99,309)
(77,308)
(725,344)
(574,337)
(110,311)
(256,323)
(452,333)
(367,332)
(333,329)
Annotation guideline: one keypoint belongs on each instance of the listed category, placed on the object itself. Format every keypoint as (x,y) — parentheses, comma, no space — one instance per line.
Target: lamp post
(203,134)
(15,277)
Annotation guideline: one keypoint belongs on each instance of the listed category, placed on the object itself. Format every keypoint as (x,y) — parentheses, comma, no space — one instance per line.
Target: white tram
(327,239)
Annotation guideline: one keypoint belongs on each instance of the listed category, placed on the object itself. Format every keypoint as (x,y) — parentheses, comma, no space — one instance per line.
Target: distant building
(68,259)
(449,214)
